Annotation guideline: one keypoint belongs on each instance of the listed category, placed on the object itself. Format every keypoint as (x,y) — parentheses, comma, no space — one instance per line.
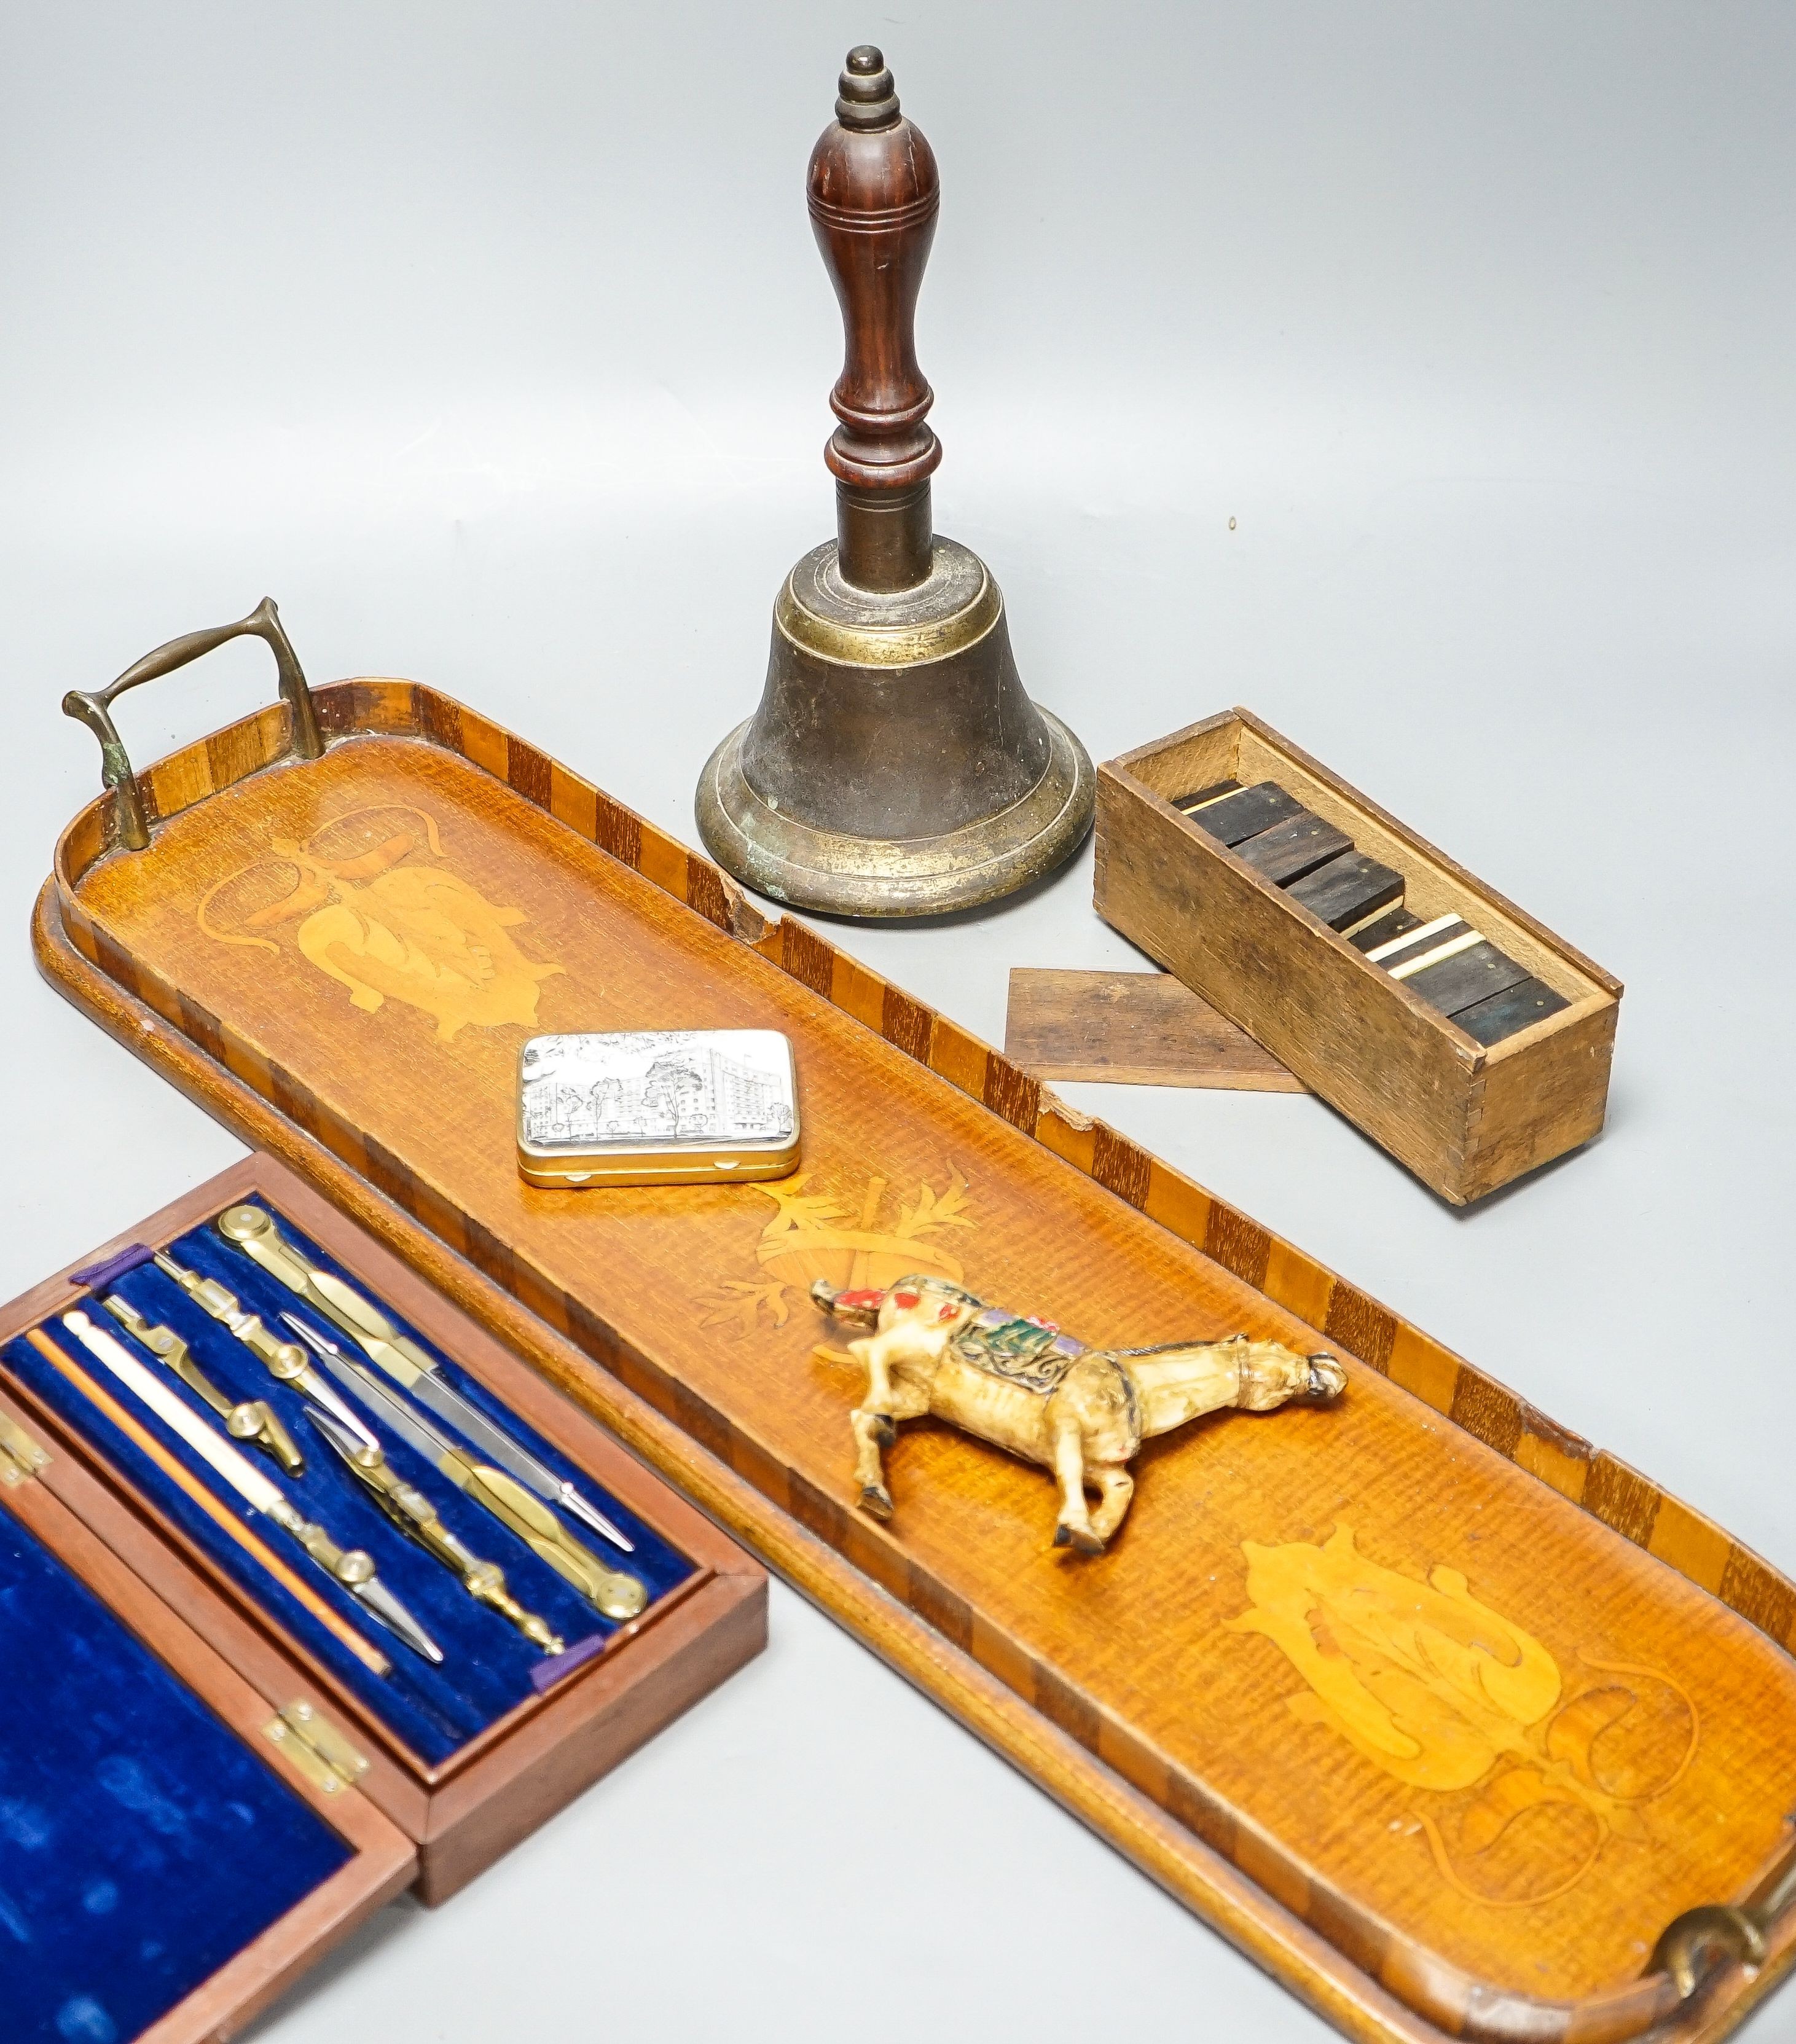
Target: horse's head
(1271,1375)
(1327,1380)
(916,1297)
(859,1308)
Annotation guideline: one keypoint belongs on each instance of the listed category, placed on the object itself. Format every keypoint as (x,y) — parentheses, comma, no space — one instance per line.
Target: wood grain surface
(874,196)
(1502,1906)
(1132,1028)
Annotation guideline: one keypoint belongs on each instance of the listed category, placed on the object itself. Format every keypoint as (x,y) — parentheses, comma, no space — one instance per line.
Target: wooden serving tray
(1466,1118)
(1601,1712)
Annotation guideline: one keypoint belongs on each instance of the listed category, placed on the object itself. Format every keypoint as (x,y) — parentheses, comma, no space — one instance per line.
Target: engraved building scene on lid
(687,1085)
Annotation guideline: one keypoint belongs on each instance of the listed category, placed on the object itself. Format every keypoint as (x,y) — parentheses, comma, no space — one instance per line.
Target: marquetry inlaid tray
(1441,1713)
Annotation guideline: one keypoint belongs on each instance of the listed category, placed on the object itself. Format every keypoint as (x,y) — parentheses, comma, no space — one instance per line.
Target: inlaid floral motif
(1447,1695)
(413,933)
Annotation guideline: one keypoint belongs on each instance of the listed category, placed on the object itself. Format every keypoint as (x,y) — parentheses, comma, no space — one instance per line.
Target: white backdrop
(491,341)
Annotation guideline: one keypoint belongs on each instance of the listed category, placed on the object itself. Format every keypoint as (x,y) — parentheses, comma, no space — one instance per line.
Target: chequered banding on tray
(1346,1320)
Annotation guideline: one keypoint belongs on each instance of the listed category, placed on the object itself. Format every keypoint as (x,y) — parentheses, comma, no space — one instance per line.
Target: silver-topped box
(656,1107)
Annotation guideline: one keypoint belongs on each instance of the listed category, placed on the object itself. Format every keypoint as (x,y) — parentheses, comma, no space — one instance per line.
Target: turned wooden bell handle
(873,194)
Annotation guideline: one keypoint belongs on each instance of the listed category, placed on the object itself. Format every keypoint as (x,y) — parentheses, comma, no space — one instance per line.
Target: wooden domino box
(1442,1020)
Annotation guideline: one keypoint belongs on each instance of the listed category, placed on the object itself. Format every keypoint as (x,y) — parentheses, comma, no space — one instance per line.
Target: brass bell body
(896,766)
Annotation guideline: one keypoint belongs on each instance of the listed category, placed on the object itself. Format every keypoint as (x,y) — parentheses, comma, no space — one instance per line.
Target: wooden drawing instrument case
(1442,1714)
(221,1791)
(1465,1117)
(170,1869)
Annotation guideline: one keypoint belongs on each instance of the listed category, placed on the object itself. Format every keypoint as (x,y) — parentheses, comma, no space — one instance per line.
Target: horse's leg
(1074,1528)
(872,1423)
(1116,1487)
(872,1428)
(869,1471)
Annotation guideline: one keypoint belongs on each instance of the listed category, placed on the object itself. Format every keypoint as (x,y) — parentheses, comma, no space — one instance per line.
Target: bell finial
(867,98)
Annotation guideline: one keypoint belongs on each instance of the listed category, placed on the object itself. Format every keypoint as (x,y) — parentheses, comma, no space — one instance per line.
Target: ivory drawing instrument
(351,1568)
(141,1439)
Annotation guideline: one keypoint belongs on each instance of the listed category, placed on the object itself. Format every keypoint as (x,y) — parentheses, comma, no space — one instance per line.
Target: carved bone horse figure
(1080,1412)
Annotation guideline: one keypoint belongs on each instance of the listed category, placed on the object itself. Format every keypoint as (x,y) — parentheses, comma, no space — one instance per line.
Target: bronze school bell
(895,766)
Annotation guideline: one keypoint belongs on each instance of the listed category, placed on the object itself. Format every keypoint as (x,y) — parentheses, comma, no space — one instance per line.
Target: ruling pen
(350,1569)
(252,1230)
(609,1590)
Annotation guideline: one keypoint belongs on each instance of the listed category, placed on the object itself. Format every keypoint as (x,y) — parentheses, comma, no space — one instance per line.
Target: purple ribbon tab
(558,1666)
(97,1277)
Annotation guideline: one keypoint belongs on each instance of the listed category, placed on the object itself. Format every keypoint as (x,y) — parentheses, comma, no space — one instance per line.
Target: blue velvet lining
(487,1664)
(142,1844)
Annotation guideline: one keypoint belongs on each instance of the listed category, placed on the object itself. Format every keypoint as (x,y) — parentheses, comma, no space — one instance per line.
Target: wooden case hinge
(20,1457)
(317,1748)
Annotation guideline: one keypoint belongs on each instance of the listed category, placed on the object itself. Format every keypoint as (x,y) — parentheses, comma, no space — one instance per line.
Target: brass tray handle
(94,709)
(1698,1945)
